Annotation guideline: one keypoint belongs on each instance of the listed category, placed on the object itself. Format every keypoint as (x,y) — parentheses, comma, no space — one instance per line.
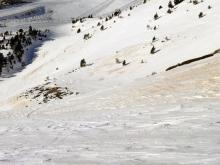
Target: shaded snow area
(118,106)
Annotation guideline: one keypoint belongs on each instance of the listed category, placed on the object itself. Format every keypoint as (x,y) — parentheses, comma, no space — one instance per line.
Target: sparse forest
(14,46)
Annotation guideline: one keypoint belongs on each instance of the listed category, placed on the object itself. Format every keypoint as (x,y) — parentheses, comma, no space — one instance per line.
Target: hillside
(139,85)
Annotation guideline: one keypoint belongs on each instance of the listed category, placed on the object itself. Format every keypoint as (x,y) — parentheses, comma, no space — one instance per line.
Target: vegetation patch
(46,93)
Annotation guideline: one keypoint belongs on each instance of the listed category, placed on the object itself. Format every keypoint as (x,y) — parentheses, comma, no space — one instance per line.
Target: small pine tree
(152,50)
(99,24)
(156,16)
(201,15)
(170,4)
(154,39)
(169,11)
(124,63)
(102,28)
(1,62)
(82,63)
(79,30)
(30,30)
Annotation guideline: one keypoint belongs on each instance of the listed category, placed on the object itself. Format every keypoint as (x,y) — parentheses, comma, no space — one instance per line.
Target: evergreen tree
(1,62)
(170,4)
(83,63)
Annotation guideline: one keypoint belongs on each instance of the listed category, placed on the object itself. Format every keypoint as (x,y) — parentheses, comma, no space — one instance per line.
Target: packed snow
(123,107)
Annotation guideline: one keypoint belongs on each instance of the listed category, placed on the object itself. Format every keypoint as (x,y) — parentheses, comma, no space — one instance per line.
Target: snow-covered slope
(46,13)
(133,114)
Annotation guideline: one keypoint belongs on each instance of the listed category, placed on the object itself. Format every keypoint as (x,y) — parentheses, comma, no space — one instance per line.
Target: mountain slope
(132,114)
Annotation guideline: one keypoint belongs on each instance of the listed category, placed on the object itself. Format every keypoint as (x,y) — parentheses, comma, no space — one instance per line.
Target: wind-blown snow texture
(135,114)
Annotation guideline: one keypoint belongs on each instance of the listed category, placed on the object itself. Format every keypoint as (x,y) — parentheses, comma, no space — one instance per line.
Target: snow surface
(122,114)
